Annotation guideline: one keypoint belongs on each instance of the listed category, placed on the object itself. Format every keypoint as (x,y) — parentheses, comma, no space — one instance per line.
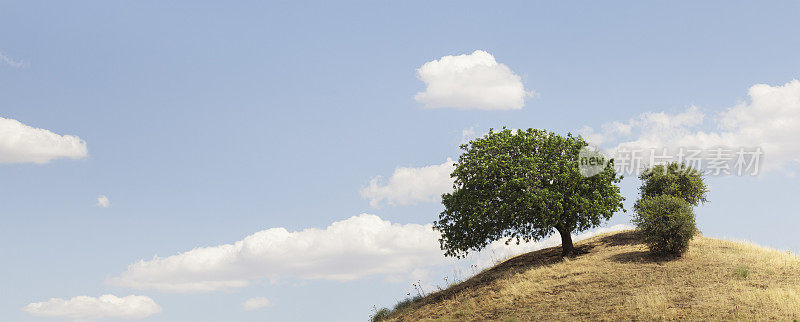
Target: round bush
(666,223)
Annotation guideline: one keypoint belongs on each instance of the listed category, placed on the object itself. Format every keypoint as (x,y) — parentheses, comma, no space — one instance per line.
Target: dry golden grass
(616,278)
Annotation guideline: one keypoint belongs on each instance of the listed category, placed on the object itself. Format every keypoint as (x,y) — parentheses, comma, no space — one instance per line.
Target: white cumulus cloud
(408,186)
(648,130)
(20,143)
(256,303)
(770,120)
(90,308)
(474,81)
(103,202)
(349,249)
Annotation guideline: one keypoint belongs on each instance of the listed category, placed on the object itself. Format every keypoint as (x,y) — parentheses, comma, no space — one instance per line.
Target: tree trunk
(567,249)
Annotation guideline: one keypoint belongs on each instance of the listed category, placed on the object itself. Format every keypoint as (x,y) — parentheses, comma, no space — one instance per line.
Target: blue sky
(205,123)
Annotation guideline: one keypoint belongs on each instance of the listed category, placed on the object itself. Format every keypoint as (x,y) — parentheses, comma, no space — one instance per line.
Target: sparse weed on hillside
(407,302)
(380,314)
(458,277)
(383,313)
(742,271)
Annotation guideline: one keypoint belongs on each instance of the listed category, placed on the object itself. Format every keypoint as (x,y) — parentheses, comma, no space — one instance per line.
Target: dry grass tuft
(617,278)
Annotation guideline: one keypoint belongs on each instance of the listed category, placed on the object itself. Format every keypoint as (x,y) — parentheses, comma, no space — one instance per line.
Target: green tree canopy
(522,185)
(674,179)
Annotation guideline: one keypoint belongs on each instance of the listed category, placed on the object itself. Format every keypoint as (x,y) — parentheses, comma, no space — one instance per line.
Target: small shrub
(384,313)
(666,223)
(381,314)
(742,271)
(406,303)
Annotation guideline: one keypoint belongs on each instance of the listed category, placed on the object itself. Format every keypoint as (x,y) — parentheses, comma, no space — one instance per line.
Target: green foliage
(664,212)
(742,271)
(380,314)
(521,186)
(384,313)
(666,223)
(406,302)
(674,179)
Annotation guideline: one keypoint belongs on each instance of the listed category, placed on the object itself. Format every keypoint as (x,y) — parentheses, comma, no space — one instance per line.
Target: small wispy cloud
(103,202)
(82,308)
(12,62)
(467,134)
(256,303)
(408,186)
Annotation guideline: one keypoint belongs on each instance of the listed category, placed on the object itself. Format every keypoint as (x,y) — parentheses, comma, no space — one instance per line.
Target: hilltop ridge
(615,277)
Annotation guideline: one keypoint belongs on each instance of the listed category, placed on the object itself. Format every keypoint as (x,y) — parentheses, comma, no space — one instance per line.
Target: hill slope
(616,278)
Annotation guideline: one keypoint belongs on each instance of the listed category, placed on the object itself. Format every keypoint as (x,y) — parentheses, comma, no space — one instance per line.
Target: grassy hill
(616,278)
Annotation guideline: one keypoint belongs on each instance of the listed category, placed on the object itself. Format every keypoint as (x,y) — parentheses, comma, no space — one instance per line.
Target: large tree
(523,185)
